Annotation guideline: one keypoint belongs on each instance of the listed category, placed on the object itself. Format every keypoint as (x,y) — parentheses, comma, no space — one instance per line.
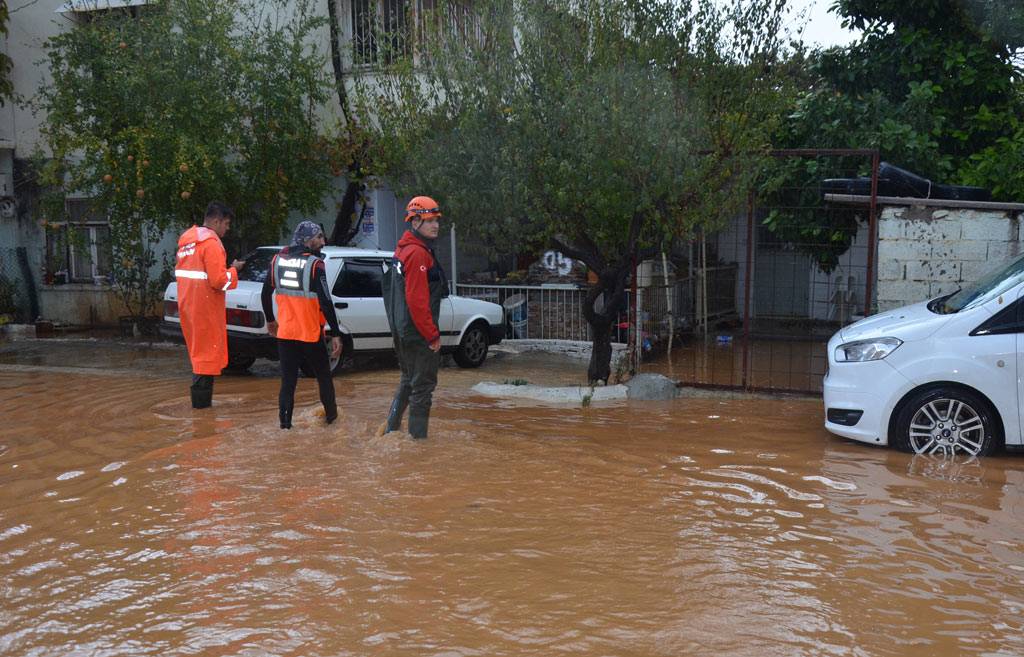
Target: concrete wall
(30,25)
(80,304)
(924,252)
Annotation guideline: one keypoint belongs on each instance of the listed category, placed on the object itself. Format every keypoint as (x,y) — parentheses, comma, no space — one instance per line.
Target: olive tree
(155,113)
(604,127)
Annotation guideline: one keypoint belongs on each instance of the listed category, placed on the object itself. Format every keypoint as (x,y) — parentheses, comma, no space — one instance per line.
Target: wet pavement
(132,525)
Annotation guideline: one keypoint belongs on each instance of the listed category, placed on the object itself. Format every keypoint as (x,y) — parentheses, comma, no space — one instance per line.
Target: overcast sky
(822,27)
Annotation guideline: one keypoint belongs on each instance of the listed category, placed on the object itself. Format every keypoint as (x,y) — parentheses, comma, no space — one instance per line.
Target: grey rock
(651,387)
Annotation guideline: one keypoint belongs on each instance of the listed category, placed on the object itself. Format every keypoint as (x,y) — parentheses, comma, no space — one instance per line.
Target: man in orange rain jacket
(203,281)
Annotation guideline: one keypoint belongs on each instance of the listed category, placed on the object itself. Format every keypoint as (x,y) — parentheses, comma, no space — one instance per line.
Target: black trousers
(292,354)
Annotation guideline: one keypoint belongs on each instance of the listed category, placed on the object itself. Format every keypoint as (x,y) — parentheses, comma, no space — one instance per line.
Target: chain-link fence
(18,300)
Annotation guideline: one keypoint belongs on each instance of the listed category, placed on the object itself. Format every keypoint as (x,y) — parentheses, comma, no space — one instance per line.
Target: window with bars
(382,29)
(79,250)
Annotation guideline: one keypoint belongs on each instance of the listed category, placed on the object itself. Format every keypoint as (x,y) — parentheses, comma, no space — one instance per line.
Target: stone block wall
(924,252)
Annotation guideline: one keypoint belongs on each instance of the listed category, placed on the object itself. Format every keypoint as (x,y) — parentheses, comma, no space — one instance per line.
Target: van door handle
(341,305)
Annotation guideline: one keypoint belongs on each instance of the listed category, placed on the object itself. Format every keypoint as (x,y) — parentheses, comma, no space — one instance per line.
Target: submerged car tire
(947,420)
(472,351)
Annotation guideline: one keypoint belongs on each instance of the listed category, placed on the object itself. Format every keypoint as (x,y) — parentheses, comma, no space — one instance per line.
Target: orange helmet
(422,207)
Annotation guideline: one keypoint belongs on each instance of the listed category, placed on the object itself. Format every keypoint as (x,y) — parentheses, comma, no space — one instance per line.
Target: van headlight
(864,350)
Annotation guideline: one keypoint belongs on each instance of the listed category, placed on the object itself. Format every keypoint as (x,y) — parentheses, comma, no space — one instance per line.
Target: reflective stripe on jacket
(298,309)
(203,278)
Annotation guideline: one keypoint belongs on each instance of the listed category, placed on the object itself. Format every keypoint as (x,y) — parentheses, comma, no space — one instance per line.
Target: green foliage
(192,100)
(1000,166)
(931,84)
(516,382)
(581,117)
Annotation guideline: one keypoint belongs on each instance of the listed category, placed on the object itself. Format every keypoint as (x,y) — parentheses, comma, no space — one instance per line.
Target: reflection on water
(132,525)
(778,365)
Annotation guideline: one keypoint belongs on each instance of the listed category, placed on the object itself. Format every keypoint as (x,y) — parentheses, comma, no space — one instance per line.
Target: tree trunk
(344,226)
(610,289)
(600,368)
(343,230)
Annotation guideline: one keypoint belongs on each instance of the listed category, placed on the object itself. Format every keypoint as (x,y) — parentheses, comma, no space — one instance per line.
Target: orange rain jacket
(203,278)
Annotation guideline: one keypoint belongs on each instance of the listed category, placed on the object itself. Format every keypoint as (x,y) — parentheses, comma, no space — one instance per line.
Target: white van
(938,377)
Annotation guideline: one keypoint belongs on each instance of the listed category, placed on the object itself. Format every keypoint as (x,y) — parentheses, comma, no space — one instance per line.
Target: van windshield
(988,287)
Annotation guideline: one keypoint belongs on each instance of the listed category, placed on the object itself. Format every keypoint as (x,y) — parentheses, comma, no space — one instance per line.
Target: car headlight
(864,350)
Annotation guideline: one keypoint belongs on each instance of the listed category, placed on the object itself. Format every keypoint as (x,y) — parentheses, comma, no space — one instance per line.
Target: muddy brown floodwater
(132,525)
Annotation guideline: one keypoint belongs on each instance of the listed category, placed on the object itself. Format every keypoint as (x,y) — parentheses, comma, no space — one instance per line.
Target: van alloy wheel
(946,426)
(947,421)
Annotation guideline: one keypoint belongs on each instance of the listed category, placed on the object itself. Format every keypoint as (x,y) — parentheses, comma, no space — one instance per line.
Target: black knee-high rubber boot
(202,391)
(285,413)
(398,405)
(418,421)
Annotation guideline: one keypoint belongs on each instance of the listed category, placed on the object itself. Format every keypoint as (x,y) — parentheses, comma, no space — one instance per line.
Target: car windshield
(988,287)
(257,265)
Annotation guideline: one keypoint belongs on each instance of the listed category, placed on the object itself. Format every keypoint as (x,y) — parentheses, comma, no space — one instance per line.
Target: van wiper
(938,304)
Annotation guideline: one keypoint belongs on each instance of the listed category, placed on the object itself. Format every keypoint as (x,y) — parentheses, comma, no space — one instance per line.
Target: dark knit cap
(305,231)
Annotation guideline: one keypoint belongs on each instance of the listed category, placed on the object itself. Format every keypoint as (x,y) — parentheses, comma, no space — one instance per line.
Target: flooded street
(132,525)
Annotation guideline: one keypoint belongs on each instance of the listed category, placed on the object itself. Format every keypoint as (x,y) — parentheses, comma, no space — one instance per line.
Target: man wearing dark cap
(298,278)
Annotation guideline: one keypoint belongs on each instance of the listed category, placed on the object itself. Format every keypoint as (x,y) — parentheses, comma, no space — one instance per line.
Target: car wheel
(472,351)
(947,421)
(239,362)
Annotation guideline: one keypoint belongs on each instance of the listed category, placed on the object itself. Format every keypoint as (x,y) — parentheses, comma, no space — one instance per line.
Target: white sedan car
(944,376)
(468,326)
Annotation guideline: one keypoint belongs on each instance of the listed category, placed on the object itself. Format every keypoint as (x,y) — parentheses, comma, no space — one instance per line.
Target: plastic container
(516,317)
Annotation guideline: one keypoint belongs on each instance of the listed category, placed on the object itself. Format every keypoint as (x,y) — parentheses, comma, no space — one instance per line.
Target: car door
(359,303)
(1017,310)
(997,345)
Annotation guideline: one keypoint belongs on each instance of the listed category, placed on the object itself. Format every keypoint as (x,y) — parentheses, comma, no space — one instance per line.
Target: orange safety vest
(203,280)
(298,310)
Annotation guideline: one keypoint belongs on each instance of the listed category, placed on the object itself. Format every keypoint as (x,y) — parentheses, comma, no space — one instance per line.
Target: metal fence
(536,312)
(555,312)
(18,298)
